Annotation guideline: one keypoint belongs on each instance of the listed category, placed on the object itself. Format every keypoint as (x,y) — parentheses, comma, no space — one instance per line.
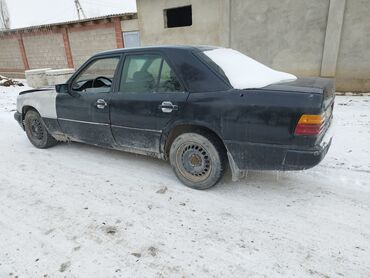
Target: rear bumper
(248,156)
(301,160)
(18,118)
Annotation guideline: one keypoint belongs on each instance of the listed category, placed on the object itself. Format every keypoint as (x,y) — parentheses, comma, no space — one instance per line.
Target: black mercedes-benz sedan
(201,108)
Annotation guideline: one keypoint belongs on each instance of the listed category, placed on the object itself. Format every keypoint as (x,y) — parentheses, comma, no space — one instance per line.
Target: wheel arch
(181,128)
(27,108)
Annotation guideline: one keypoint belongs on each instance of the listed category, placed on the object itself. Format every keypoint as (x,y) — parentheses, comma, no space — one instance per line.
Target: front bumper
(18,118)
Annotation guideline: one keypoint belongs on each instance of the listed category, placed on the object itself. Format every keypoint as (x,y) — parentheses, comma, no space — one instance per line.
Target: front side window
(97,76)
(148,73)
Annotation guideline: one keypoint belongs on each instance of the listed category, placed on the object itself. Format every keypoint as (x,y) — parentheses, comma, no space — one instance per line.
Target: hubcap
(195,162)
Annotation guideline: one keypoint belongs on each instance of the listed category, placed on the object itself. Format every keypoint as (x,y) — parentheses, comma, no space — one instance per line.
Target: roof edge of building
(122,16)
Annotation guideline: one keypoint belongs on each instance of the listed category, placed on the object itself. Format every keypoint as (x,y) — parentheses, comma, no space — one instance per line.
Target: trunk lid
(315,85)
(324,87)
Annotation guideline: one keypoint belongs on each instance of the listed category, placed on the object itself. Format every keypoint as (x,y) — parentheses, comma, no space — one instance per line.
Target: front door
(148,98)
(83,114)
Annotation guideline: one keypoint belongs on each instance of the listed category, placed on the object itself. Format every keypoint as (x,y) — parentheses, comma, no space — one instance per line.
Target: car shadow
(272,179)
(275,178)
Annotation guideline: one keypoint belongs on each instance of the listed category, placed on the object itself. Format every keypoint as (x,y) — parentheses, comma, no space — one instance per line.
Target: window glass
(148,73)
(168,81)
(134,66)
(97,77)
(155,67)
(140,73)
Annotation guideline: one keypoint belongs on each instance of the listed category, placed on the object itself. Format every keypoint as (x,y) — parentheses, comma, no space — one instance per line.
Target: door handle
(168,107)
(101,104)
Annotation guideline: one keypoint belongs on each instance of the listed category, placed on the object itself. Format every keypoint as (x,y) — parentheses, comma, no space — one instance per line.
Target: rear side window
(168,81)
(212,65)
(148,73)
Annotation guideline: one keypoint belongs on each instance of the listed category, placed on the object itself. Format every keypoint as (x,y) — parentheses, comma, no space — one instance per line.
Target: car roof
(158,47)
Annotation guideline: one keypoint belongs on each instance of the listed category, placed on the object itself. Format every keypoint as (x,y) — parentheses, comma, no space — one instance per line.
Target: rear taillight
(309,125)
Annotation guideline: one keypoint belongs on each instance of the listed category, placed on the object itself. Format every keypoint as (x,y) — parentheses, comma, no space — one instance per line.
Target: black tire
(198,159)
(37,132)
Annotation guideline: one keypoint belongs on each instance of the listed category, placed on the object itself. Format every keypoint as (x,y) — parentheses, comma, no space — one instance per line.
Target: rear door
(83,114)
(149,96)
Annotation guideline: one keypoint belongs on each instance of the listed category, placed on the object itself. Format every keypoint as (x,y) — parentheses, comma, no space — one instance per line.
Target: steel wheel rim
(194,162)
(36,129)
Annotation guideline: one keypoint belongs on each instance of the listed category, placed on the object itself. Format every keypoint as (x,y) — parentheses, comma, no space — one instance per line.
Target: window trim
(91,61)
(164,58)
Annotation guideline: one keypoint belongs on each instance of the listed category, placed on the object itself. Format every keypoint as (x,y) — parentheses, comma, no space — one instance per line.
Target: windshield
(243,72)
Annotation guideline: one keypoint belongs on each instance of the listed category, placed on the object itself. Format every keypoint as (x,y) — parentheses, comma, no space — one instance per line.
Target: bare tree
(4,16)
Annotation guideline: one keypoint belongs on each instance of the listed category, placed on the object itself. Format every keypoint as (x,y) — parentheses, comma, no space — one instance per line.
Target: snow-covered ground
(80,211)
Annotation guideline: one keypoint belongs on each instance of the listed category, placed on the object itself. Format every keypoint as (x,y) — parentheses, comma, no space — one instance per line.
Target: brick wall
(10,55)
(45,50)
(64,45)
(85,42)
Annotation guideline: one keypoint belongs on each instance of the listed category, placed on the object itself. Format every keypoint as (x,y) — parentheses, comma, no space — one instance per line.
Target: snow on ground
(81,211)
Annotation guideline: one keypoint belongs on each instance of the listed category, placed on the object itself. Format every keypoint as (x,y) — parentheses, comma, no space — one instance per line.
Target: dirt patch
(64,266)
(7,82)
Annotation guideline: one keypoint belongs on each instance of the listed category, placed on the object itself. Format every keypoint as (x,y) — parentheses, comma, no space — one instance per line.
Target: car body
(127,104)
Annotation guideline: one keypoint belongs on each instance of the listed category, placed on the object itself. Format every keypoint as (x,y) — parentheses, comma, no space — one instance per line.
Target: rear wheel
(37,132)
(197,159)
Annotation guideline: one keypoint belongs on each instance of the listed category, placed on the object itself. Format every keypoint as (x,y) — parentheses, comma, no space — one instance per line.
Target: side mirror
(61,88)
(64,88)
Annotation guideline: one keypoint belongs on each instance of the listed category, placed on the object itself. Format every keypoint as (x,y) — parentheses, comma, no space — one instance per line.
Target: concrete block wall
(328,38)
(130,25)
(286,35)
(66,45)
(353,68)
(85,42)
(45,50)
(10,55)
(207,28)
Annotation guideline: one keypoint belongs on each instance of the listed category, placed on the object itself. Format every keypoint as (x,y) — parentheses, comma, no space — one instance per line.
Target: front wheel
(197,159)
(37,132)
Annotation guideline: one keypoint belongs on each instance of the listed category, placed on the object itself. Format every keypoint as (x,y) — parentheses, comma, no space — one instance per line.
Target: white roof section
(245,73)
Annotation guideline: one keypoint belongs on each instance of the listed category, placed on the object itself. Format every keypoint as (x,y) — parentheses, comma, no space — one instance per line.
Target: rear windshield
(241,71)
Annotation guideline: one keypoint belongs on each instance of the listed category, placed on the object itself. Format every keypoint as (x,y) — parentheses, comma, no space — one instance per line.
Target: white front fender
(43,101)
